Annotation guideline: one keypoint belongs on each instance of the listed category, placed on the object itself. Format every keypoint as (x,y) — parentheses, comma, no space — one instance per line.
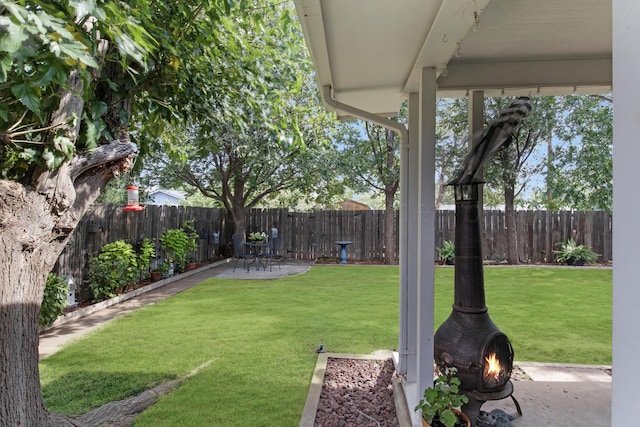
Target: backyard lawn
(255,341)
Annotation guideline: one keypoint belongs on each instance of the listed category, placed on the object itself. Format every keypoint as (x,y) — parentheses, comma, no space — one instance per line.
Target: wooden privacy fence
(104,224)
(538,233)
(312,235)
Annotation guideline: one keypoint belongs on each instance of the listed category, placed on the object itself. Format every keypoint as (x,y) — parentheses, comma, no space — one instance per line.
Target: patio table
(258,250)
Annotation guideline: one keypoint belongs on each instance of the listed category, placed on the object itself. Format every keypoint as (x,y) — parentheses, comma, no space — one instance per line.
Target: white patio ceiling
(370,52)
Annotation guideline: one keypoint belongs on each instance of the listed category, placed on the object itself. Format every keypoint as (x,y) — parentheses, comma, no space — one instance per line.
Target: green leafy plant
(163,267)
(115,266)
(572,253)
(177,243)
(257,236)
(146,253)
(440,400)
(447,252)
(54,299)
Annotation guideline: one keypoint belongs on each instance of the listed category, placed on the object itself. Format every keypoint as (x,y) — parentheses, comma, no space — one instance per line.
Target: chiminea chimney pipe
(469,277)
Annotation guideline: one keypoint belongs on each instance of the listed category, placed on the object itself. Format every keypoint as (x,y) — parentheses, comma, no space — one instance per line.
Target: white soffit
(370,52)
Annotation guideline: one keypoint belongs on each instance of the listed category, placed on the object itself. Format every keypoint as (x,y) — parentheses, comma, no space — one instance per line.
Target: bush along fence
(312,235)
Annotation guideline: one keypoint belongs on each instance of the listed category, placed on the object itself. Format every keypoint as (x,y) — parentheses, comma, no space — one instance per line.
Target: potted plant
(447,252)
(155,275)
(574,254)
(441,402)
(164,269)
(177,243)
(257,237)
(191,262)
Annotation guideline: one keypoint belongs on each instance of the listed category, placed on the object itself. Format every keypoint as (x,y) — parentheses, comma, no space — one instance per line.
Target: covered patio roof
(370,52)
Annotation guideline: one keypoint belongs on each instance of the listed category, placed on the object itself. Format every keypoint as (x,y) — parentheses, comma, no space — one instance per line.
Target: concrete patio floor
(559,395)
(559,403)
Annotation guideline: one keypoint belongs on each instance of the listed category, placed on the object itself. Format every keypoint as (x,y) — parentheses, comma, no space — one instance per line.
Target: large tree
(517,162)
(580,170)
(511,171)
(370,160)
(452,144)
(73,74)
(280,149)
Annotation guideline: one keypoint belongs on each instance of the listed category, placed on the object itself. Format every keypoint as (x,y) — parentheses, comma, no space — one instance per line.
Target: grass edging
(85,311)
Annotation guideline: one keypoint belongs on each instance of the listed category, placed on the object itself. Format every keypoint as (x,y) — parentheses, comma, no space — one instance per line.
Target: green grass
(261,336)
(549,314)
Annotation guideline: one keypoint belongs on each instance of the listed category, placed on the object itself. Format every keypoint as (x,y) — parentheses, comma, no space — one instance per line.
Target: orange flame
(492,368)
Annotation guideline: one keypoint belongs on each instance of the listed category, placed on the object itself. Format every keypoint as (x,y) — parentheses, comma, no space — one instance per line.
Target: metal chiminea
(469,340)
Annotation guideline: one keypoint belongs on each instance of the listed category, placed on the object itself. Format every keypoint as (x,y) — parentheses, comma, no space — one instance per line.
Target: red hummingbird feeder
(132,200)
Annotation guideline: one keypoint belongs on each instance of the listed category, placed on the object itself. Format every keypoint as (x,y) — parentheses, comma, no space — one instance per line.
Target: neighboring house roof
(352,205)
(166,197)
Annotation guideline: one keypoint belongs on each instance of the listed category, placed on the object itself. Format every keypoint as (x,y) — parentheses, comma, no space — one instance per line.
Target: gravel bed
(357,392)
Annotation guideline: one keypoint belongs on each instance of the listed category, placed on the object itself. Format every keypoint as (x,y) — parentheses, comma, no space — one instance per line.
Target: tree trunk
(440,192)
(29,247)
(36,224)
(510,219)
(238,215)
(389,230)
(36,221)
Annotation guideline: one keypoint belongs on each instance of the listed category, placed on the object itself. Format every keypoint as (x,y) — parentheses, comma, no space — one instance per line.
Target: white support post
(626,204)
(426,231)
(404,332)
(407,364)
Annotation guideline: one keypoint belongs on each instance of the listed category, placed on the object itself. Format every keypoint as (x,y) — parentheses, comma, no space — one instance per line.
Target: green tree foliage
(581,168)
(452,143)
(76,77)
(265,134)
(370,160)
(48,48)
(517,163)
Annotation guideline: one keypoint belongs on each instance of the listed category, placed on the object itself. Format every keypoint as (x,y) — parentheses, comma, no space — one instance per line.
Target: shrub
(447,252)
(177,243)
(54,299)
(115,266)
(572,253)
(146,253)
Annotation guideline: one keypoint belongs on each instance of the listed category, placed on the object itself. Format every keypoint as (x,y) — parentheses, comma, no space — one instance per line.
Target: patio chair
(240,251)
(273,254)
